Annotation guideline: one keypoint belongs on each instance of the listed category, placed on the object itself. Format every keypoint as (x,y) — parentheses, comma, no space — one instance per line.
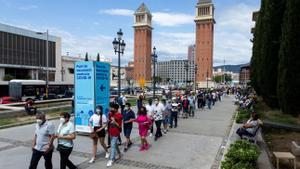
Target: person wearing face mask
(98,123)
(114,131)
(158,117)
(42,144)
(150,111)
(65,136)
(128,118)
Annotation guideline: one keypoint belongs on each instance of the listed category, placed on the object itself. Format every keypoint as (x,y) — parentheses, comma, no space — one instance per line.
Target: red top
(113,129)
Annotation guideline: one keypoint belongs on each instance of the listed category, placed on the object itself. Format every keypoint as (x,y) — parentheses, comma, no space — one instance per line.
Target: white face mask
(98,111)
(39,121)
(62,120)
(156,102)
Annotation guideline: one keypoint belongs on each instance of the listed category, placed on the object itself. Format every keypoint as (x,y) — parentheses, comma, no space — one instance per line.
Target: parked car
(68,94)
(8,99)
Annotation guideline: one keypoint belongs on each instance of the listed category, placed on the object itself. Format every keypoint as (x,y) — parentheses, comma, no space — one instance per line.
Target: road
(193,145)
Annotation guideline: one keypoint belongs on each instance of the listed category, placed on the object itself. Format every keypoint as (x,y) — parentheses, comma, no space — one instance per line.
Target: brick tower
(204,41)
(142,44)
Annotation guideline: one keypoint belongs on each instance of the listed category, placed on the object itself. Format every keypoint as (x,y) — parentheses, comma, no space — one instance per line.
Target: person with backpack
(98,123)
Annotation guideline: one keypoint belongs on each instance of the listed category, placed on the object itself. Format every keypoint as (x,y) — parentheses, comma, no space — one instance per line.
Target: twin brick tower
(204,42)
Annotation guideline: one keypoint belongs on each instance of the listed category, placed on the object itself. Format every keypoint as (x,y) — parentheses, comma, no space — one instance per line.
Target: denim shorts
(127,131)
(166,120)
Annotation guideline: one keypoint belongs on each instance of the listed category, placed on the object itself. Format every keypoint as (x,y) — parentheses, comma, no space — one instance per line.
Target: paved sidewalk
(193,145)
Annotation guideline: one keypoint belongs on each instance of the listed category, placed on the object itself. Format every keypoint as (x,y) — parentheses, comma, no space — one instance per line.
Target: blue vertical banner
(102,85)
(92,88)
(84,95)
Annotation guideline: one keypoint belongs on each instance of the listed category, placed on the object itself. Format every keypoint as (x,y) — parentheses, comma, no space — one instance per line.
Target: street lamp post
(62,73)
(196,69)
(119,47)
(207,79)
(186,71)
(47,59)
(154,60)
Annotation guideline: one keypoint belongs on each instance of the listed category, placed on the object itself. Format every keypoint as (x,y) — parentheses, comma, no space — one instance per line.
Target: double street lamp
(119,47)
(154,60)
(186,65)
(47,59)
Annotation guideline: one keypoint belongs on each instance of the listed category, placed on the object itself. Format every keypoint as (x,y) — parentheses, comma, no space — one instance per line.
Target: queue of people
(161,115)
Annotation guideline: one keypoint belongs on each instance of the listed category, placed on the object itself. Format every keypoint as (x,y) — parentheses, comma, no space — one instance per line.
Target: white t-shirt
(95,119)
(150,110)
(158,111)
(124,100)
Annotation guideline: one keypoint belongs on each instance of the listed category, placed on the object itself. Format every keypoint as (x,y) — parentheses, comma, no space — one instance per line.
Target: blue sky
(91,25)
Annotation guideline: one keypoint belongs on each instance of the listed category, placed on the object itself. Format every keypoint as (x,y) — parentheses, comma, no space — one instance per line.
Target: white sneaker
(109,163)
(92,160)
(107,155)
(151,134)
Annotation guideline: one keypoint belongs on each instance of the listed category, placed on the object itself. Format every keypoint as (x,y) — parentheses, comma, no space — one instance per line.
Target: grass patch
(278,116)
(132,101)
(28,119)
(6,121)
(273,115)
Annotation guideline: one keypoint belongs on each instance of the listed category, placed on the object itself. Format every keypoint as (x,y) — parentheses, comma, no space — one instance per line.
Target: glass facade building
(23,54)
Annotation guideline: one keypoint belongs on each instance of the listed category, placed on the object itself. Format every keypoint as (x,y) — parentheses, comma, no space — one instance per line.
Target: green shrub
(8,77)
(241,155)
(242,116)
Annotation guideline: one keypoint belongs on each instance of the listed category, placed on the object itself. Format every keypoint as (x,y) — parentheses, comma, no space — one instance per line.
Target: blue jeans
(114,148)
(209,104)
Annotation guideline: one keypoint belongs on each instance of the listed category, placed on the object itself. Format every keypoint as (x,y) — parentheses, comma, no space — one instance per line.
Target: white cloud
(121,12)
(160,18)
(232,34)
(27,7)
(173,45)
(172,19)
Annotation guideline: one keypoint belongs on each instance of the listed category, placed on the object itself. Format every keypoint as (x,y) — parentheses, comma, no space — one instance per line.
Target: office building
(23,54)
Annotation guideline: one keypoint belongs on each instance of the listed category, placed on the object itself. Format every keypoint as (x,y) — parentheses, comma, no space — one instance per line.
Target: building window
(71,70)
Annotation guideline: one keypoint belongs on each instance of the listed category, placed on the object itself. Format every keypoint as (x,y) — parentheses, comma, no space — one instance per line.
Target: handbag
(62,148)
(93,135)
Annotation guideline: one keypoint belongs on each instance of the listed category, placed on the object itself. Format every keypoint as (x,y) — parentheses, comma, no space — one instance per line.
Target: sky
(91,25)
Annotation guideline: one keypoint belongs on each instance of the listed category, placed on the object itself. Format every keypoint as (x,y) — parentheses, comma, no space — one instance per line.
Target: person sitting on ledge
(29,107)
(250,127)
